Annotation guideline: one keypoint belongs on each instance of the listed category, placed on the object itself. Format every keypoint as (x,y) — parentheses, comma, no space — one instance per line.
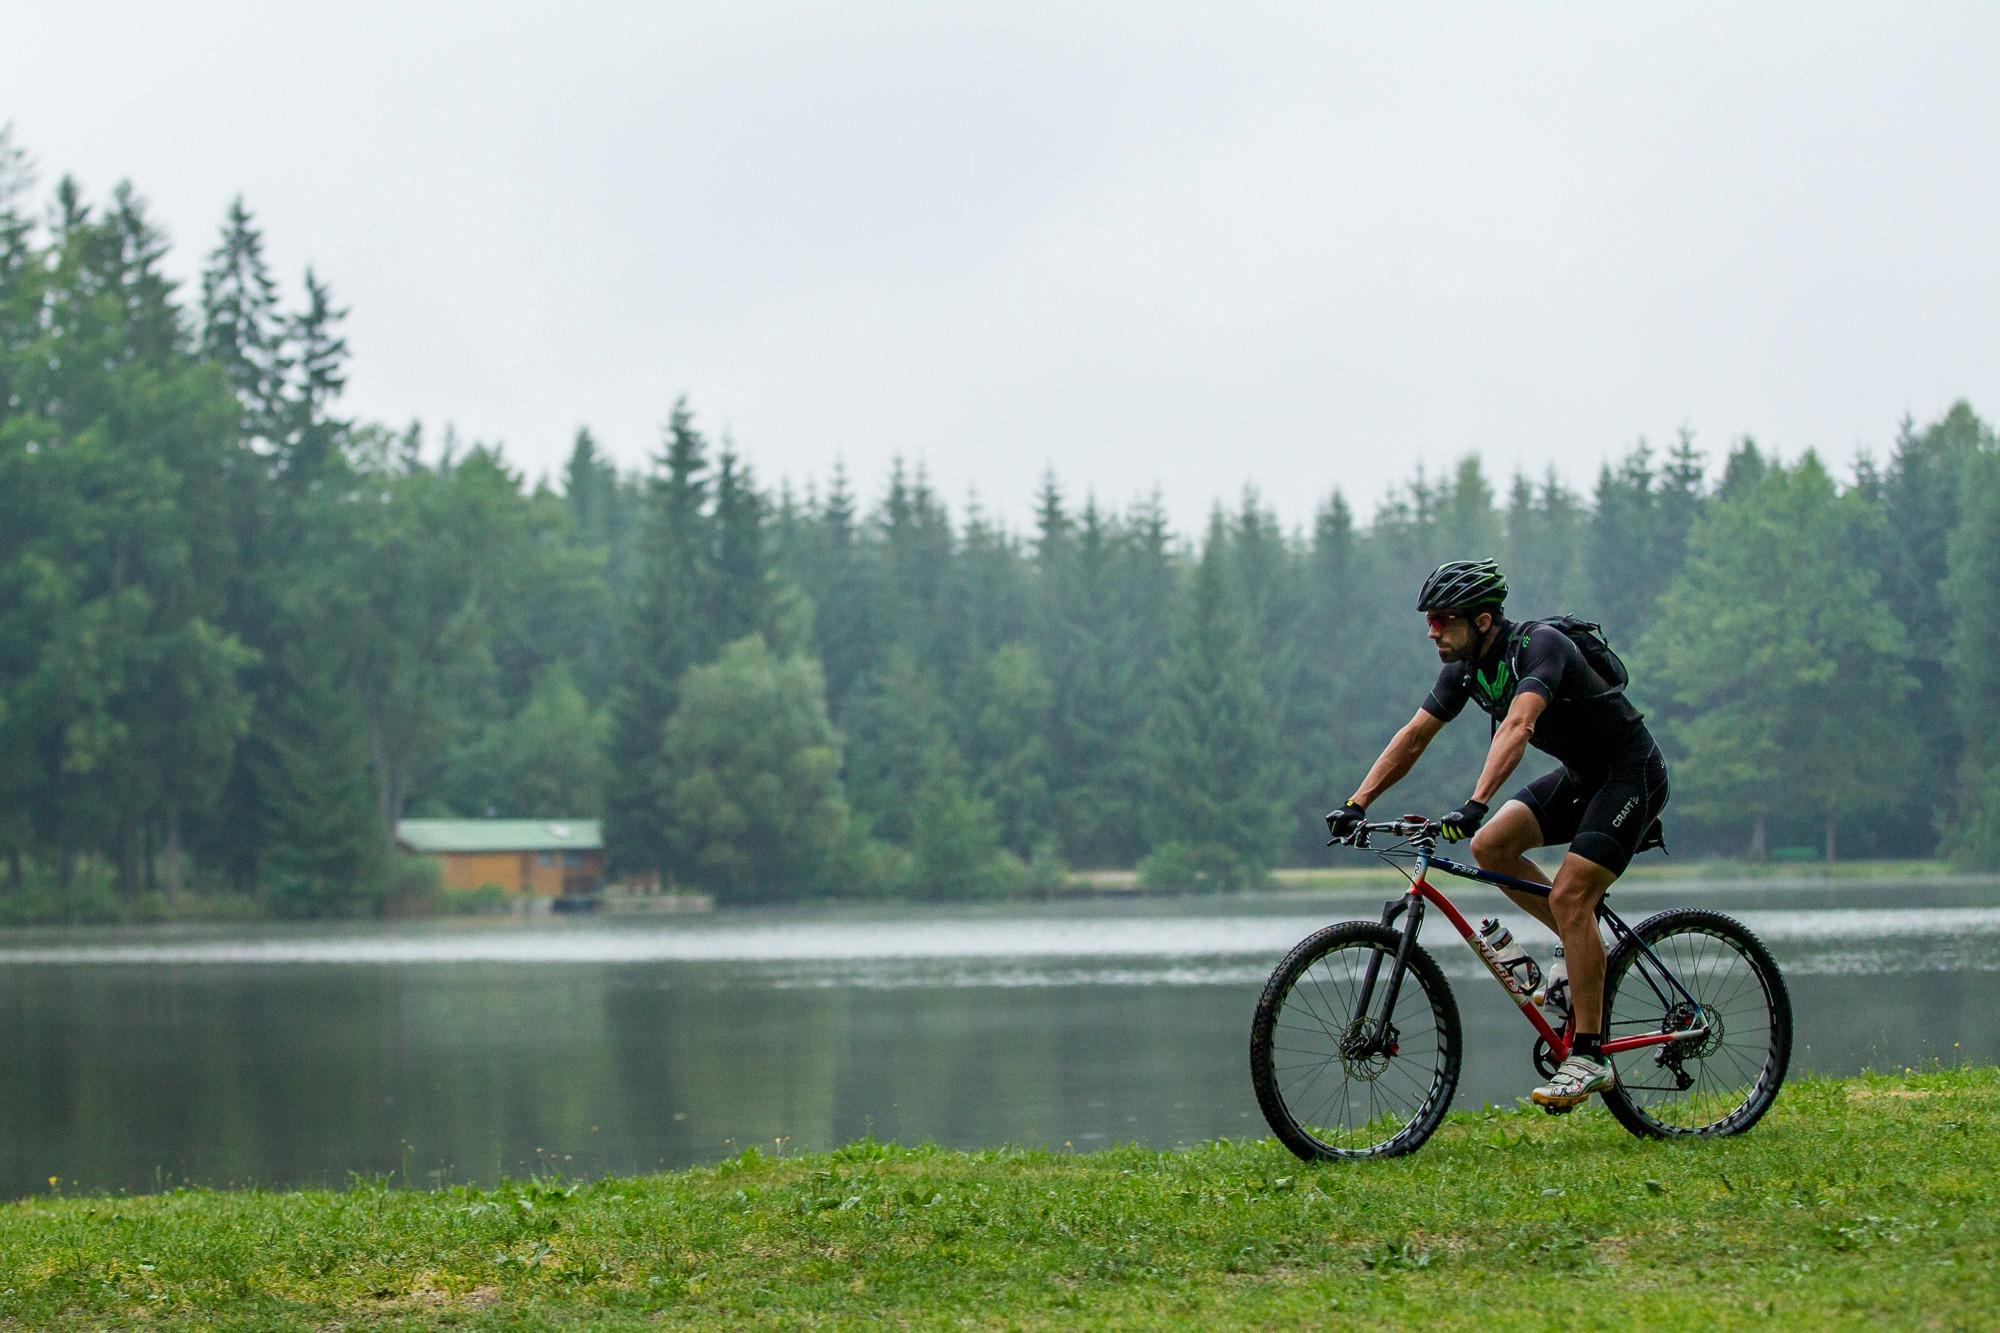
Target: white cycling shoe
(1579,1077)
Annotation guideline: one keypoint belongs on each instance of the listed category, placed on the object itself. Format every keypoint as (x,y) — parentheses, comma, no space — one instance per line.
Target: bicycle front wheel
(1719,1083)
(1337,1083)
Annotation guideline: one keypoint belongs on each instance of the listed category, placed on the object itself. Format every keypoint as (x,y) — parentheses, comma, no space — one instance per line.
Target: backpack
(1588,636)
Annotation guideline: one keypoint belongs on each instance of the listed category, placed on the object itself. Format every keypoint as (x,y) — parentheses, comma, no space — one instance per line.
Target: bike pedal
(1556,1110)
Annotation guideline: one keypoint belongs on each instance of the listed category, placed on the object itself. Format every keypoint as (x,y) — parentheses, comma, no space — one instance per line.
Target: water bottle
(1510,953)
(1554,994)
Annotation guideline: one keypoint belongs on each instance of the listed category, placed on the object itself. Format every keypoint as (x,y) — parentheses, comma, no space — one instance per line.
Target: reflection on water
(466,1051)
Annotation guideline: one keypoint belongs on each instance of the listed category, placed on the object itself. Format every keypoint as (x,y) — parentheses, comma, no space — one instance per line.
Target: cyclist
(1605,800)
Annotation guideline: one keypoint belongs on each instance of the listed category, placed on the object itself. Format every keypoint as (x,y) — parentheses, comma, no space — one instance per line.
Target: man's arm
(1399,756)
(1510,742)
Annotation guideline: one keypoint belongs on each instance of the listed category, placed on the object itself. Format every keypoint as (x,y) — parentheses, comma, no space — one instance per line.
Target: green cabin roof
(501,835)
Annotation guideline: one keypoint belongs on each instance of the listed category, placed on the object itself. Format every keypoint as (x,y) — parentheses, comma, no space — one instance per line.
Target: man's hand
(1461,823)
(1343,822)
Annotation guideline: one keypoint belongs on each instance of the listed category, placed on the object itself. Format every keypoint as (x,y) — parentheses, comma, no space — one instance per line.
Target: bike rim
(1348,1100)
(1700,1085)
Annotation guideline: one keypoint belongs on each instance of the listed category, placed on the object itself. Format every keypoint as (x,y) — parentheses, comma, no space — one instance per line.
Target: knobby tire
(1735,1075)
(1324,1107)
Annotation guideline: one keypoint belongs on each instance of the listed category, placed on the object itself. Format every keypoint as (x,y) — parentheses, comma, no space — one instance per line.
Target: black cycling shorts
(1605,820)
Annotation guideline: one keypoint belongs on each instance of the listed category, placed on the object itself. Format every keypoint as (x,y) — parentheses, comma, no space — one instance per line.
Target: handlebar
(1409,826)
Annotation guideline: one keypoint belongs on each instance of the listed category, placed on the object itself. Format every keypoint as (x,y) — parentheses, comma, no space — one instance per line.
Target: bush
(486,900)
(415,887)
(88,900)
(1973,842)
(305,895)
(1045,871)
(955,844)
(197,907)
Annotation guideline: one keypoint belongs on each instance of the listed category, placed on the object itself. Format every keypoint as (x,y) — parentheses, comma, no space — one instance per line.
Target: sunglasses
(1439,619)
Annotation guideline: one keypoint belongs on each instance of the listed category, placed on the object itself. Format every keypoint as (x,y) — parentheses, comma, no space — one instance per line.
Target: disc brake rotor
(1682,1018)
(1362,1054)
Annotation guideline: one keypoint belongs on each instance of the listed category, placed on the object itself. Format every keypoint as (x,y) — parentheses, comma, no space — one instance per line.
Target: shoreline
(1082,887)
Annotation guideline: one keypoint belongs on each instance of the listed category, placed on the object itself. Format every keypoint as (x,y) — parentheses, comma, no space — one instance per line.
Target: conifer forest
(242,635)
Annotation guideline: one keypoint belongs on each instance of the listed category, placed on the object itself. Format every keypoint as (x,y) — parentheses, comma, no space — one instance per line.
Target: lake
(440,1052)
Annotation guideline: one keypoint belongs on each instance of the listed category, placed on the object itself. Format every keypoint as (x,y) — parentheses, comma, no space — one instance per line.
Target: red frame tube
(1559,1042)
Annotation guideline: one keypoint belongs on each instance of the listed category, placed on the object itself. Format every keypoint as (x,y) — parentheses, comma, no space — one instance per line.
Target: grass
(1858,1203)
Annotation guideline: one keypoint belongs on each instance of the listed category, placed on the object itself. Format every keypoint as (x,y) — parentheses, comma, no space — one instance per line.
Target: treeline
(241,635)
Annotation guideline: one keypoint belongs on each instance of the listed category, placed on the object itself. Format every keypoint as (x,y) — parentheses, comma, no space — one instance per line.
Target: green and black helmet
(1464,585)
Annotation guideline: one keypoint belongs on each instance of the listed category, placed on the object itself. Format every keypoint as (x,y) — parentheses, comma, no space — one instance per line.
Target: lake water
(463,1051)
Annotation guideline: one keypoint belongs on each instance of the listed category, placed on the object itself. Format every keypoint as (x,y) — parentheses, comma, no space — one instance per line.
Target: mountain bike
(1355,1047)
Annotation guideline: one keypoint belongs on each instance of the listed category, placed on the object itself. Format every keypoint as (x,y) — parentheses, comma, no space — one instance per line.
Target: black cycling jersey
(1587,726)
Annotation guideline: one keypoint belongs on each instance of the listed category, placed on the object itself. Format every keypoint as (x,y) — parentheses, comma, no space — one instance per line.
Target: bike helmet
(1464,585)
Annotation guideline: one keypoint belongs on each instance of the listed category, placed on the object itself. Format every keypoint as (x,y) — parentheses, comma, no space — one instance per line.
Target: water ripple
(1180,937)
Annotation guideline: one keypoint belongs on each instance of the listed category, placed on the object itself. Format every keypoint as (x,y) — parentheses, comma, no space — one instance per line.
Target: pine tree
(739,591)
(986,602)
(1744,470)
(1923,494)
(240,328)
(1082,642)
(325,831)
(1621,549)
(313,437)
(1546,528)
(664,636)
(1144,594)
(1324,742)
(1972,661)
(899,734)
(1212,744)
(830,562)
(1007,750)
(915,551)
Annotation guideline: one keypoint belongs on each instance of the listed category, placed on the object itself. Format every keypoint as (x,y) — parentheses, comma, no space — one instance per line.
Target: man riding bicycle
(1537,685)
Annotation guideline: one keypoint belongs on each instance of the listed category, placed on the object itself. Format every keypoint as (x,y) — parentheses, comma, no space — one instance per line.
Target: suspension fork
(1411,903)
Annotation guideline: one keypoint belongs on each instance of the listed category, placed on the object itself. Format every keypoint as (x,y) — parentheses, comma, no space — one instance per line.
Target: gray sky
(1147,244)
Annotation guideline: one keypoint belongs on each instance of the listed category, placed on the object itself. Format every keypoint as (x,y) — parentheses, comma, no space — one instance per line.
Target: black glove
(1464,821)
(1344,822)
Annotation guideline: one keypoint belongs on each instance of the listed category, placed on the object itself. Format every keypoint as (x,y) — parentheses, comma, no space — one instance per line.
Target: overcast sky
(1190,247)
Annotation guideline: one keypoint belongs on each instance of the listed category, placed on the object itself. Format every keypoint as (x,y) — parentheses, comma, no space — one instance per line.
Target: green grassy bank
(1857,1203)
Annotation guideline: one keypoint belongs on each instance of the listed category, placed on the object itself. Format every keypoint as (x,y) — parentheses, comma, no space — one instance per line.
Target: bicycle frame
(1423,894)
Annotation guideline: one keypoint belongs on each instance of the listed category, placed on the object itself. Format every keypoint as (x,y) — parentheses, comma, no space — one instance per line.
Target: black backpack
(1588,636)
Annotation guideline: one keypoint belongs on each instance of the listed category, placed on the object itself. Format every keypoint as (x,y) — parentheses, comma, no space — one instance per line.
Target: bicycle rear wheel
(1332,1086)
(1718,1084)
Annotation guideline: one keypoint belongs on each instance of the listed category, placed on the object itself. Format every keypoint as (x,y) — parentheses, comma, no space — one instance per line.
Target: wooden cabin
(541,858)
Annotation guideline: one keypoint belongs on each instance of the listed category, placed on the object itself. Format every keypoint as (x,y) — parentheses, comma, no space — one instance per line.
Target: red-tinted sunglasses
(1439,619)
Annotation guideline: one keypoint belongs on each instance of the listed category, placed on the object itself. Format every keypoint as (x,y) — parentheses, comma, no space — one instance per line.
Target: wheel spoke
(1728,1068)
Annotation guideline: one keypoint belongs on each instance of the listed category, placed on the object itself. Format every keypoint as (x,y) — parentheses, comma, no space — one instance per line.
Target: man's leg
(1607,833)
(1580,884)
(1502,847)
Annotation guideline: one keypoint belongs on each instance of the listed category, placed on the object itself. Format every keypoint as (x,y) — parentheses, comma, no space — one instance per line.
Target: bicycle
(1348,1065)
